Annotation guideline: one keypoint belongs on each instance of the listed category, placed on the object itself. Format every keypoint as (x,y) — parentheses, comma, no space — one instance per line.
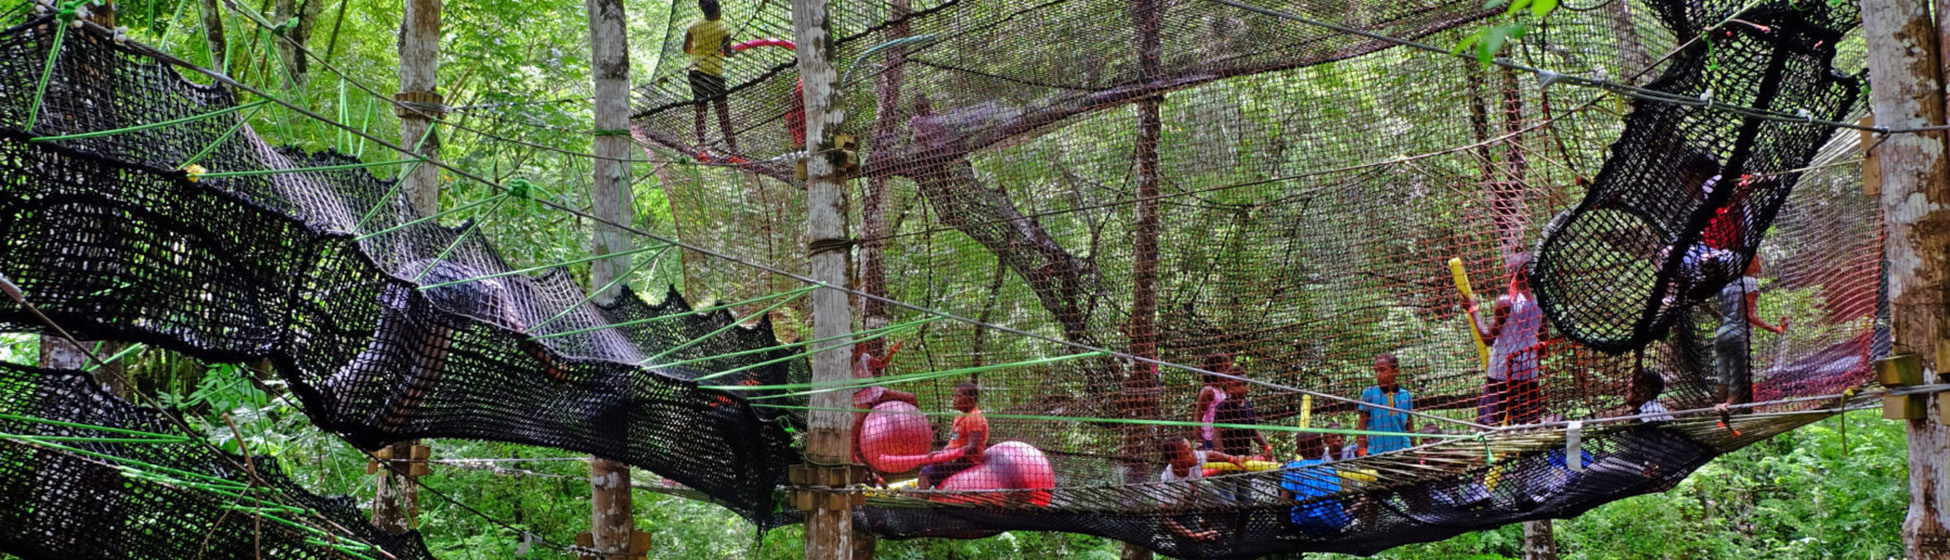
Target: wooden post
(1903,55)
(613,514)
(829,524)
(395,498)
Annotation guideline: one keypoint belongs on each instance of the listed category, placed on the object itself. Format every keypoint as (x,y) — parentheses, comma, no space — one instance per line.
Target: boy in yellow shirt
(708,42)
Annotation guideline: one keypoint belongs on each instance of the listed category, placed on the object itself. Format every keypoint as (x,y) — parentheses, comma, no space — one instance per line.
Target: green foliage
(1487,42)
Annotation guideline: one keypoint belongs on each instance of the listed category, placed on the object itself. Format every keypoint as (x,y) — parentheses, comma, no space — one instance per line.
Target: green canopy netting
(1127,205)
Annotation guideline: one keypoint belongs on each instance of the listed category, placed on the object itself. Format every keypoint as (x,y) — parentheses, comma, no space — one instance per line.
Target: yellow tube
(1461,276)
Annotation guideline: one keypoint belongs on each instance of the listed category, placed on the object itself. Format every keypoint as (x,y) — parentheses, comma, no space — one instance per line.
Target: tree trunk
(829,526)
(1507,207)
(1632,58)
(1903,57)
(291,48)
(1539,543)
(1141,386)
(613,514)
(873,212)
(395,496)
(213,34)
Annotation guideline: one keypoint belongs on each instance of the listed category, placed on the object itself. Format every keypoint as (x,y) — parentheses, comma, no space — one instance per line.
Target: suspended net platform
(1181,200)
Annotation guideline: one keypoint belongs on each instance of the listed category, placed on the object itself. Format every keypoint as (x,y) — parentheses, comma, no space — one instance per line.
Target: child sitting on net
(971,437)
(1309,481)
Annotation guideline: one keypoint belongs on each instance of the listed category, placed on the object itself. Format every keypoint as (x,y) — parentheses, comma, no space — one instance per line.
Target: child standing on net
(707,42)
(1739,311)
(964,451)
(1516,332)
(1384,408)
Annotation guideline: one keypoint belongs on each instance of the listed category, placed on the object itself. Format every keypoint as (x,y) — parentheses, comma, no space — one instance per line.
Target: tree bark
(1539,541)
(1141,386)
(1904,66)
(213,34)
(291,47)
(395,495)
(612,514)
(1507,208)
(829,526)
(873,212)
(1632,57)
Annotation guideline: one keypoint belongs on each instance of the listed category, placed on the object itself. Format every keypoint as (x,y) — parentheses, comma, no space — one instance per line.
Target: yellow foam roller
(1254,466)
(1461,276)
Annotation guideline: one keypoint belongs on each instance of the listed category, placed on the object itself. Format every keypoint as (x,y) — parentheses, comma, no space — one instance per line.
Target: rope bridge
(1312,186)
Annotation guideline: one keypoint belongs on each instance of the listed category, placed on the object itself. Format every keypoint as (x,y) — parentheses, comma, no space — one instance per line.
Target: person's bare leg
(699,121)
(724,122)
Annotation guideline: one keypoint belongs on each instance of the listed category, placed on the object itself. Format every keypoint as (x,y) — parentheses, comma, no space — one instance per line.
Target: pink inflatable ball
(894,435)
(1005,466)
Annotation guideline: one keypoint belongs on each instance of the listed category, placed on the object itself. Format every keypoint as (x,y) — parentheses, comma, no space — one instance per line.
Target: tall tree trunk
(290,48)
(613,513)
(213,34)
(1507,207)
(1632,58)
(1539,542)
(829,526)
(395,496)
(1141,385)
(873,211)
(1903,60)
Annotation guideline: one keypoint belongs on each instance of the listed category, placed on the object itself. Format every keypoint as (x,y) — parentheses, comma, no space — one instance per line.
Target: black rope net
(1224,190)
(325,274)
(87,475)
(1288,214)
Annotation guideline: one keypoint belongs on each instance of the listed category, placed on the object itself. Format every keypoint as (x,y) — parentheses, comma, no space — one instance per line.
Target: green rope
(680,314)
(206,479)
(878,332)
(227,134)
(721,330)
(449,249)
(111,359)
(1134,421)
(431,217)
(393,190)
(795,356)
(79,426)
(620,278)
(546,267)
(47,70)
(855,64)
(858,383)
(322,168)
(610,132)
(141,127)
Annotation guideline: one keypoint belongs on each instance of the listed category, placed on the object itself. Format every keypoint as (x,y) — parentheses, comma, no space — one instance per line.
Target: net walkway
(1310,189)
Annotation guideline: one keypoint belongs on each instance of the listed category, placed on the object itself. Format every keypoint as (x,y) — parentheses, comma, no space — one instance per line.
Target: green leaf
(1516,6)
(1541,8)
(1489,4)
(1468,42)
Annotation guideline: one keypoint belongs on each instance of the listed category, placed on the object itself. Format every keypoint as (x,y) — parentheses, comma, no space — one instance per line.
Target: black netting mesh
(88,488)
(1680,206)
(109,238)
(1247,192)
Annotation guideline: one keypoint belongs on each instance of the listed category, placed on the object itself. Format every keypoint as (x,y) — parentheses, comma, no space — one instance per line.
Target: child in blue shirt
(1394,418)
(1307,478)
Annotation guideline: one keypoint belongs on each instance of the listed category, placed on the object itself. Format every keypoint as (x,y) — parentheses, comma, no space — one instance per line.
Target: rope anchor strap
(818,246)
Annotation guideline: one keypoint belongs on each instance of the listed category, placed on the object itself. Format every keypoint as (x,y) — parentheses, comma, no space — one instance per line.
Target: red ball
(893,433)
(1010,465)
